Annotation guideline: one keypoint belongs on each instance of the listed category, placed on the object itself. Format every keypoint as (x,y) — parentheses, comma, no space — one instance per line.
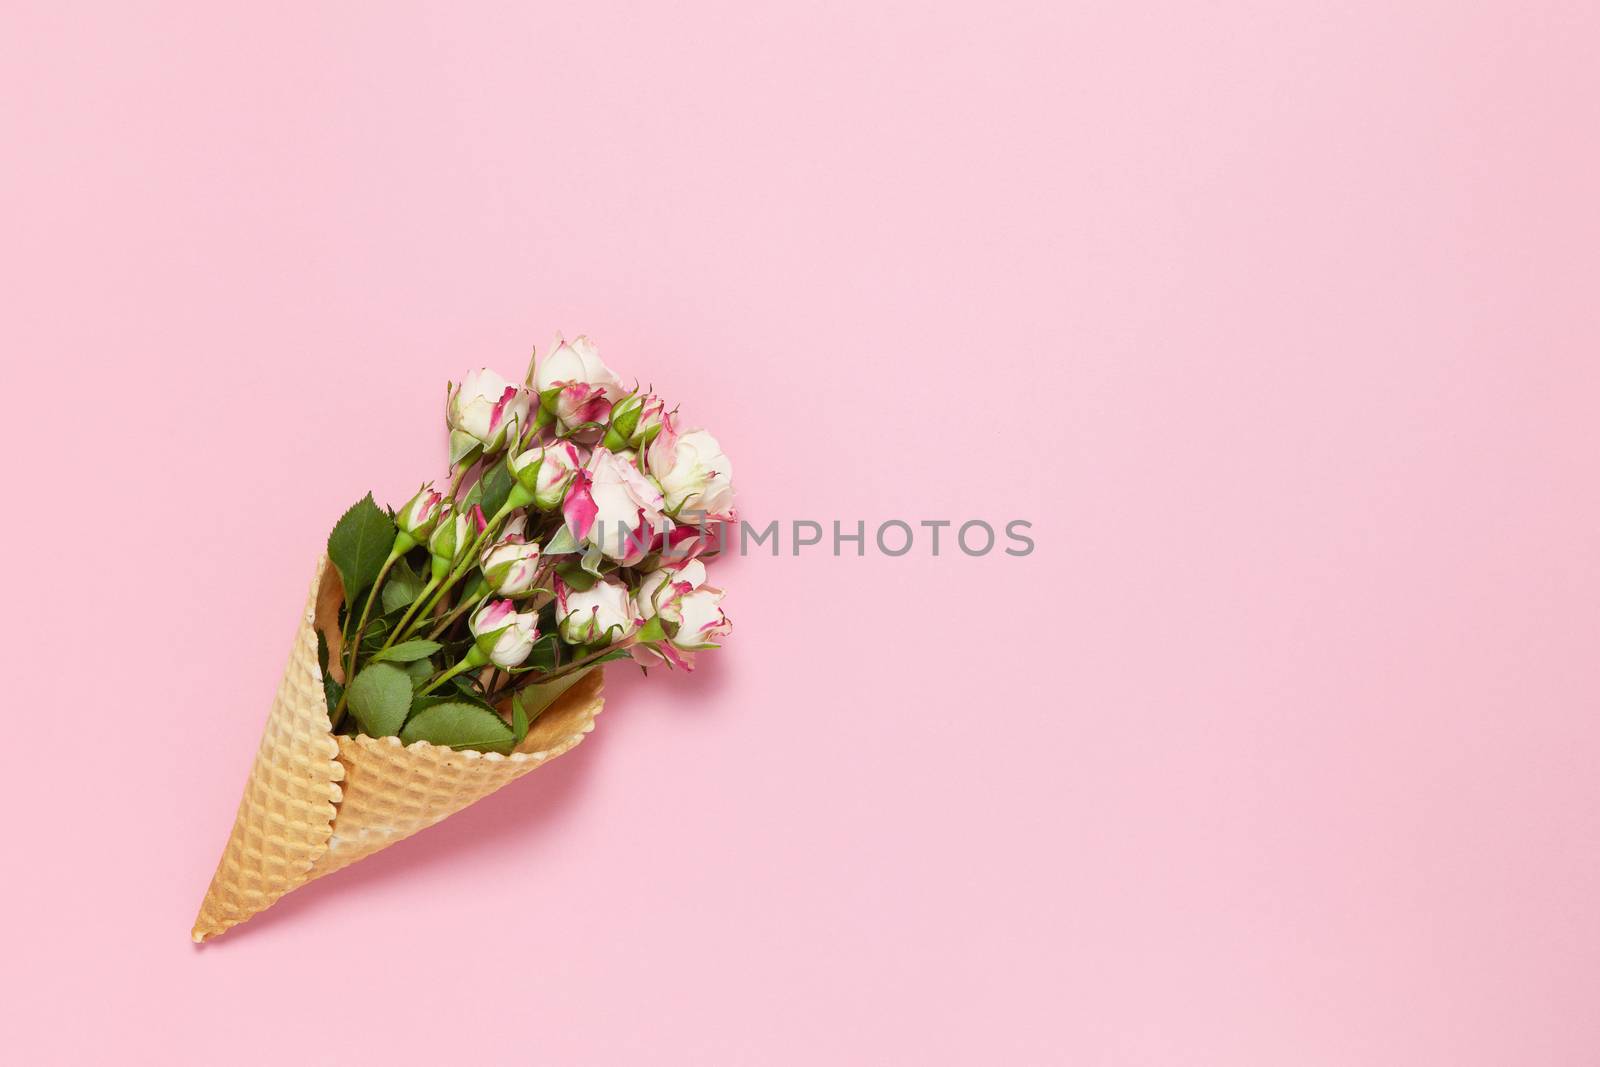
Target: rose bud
(511,565)
(699,618)
(575,386)
(652,415)
(482,410)
(665,584)
(682,615)
(681,544)
(694,475)
(502,634)
(543,474)
(416,520)
(614,507)
(452,536)
(624,421)
(598,615)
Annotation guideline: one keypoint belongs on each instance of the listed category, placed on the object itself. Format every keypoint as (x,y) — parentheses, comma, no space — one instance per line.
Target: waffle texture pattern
(315,803)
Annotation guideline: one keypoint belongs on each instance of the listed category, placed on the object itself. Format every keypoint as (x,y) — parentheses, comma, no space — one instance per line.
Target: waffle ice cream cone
(316,802)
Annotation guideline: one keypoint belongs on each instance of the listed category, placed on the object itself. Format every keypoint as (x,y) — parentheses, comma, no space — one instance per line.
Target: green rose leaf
(331,690)
(423,703)
(546,653)
(519,720)
(402,587)
(376,634)
(576,577)
(379,698)
(419,671)
(541,695)
(406,651)
(458,694)
(359,544)
(562,543)
(462,445)
(465,692)
(457,724)
(494,486)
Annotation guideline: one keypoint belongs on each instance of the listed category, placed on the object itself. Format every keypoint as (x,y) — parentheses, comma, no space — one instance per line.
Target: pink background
(1278,321)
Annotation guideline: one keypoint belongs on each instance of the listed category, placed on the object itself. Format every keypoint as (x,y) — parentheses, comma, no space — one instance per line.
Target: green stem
(412,610)
(474,658)
(586,661)
(468,559)
(366,612)
(446,620)
(450,579)
(354,648)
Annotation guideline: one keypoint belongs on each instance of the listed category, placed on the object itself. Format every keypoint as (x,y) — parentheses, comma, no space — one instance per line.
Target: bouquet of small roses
(455,644)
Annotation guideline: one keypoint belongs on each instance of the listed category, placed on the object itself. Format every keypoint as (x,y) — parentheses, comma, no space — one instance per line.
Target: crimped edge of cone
(580,690)
(212,920)
(571,718)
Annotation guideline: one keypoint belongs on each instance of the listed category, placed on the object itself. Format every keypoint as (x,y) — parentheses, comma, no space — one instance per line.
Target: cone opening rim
(538,756)
(325,600)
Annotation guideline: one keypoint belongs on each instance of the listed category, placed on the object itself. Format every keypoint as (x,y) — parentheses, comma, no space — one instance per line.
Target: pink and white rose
(602,613)
(416,520)
(503,634)
(511,565)
(614,507)
(483,409)
(684,613)
(695,475)
(587,386)
(652,415)
(665,583)
(552,468)
(700,618)
(683,543)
